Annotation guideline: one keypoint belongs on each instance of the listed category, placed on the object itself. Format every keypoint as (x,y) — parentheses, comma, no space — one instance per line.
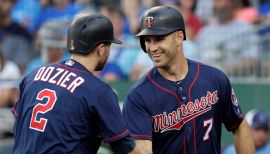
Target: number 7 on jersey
(209,124)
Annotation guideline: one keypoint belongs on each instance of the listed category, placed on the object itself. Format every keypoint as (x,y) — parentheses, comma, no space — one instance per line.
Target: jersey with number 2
(63,108)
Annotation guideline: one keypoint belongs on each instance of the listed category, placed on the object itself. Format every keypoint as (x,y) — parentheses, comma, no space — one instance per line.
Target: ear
(179,37)
(101,49)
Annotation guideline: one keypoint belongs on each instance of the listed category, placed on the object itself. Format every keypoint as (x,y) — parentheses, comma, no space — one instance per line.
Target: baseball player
(179,105)
(64,108)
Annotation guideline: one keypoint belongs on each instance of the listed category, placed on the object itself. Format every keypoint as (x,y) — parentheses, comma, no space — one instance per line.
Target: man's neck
(175,72)
(86,61)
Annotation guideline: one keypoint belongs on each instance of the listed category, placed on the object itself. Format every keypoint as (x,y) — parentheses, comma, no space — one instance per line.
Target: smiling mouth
(156,56)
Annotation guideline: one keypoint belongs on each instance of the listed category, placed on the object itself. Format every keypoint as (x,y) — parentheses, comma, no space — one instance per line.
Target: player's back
(55,112)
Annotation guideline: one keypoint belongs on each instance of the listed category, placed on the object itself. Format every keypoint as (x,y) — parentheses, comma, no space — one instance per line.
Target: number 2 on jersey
(41,108)
(209,124)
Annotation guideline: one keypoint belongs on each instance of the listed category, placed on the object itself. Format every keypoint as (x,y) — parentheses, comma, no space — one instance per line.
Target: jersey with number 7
(182,117)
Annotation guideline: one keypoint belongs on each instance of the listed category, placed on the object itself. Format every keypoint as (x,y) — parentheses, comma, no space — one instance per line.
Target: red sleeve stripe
(115,137)
(164,89)
(71,68)
(14,112)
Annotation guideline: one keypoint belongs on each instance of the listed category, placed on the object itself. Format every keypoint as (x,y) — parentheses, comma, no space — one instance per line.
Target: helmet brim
(116,41)
(160,31)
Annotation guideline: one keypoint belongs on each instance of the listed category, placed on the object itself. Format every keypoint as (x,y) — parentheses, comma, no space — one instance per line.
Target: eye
(147,40)
(160,38)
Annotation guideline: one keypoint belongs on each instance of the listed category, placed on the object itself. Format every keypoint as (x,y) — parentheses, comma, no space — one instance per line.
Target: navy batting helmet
(160,20)
(86,31)
(258,119)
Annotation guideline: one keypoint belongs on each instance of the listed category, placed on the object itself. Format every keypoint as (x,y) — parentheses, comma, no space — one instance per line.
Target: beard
(101,65)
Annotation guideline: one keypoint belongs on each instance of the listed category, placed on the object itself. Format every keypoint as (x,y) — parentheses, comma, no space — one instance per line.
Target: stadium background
(40,18)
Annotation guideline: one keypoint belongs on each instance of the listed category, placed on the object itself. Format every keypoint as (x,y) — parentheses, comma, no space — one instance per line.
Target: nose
(151,47)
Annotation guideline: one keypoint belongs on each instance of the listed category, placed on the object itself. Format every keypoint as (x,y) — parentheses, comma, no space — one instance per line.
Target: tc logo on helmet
(149,21)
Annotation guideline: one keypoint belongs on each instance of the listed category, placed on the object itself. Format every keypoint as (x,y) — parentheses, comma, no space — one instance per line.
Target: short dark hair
(107,43)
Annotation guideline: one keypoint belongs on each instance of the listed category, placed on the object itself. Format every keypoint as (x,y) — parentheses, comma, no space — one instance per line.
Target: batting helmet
(160,20)
(258,119)
(86,31)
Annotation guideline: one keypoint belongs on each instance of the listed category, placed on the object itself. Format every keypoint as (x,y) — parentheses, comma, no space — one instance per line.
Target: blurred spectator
(14,39)
(142,65)
(259,123)
(149,3)
(192,22)
(52,41)
(25,11)
(193,25)
(167,2)
(264,8)
(246,12)
(229,44)
(122,57)
(9,80)
(204,10)
(86,5)
(133,10)
(60,10)
(264,12)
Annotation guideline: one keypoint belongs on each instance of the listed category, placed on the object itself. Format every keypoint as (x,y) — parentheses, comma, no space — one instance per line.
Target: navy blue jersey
(184,117)
(63,108)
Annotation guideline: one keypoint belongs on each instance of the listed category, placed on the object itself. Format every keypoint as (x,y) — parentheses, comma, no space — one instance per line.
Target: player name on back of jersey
(60,77)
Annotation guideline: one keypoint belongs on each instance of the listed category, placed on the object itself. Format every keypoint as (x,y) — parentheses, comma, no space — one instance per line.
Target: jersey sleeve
(139,121)
(18,107)
(109,118)
(232,115)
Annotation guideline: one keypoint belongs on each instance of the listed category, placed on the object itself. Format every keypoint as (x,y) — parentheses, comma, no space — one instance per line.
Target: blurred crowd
(233,35)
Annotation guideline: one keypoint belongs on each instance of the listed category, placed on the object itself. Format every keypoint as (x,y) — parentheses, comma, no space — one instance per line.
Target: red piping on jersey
(15,112)
(141,135)
(168,91)
(71,68)
(178,101)
(194,123)
(119,135)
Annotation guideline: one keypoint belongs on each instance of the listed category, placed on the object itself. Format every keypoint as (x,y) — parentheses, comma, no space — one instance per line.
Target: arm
(122,146)
(243,139)
(142,147)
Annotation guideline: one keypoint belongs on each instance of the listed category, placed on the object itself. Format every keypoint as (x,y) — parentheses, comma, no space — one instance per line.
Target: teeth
(156,55)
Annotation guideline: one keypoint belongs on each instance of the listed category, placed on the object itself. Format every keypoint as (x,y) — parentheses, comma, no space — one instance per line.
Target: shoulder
(143,83)
(138,84)
(211,72)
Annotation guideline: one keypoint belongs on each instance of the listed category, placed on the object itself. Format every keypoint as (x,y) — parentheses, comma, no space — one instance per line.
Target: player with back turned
(64,108)
(179,105)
